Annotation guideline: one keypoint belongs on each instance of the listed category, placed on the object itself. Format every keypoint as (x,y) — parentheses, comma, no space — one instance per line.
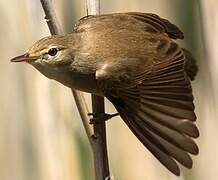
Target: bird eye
(52,51)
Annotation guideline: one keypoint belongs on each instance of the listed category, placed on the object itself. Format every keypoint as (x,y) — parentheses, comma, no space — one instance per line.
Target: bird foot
(99,117)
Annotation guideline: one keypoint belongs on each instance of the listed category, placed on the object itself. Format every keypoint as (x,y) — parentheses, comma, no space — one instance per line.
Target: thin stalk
(99,140)
(55,29)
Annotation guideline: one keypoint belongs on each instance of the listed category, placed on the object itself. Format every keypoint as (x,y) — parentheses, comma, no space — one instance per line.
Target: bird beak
(24,58)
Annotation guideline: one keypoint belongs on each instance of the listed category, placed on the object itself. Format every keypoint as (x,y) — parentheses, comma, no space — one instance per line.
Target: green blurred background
(41,134)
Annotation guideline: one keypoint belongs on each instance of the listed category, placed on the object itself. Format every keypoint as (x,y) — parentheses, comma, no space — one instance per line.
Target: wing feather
(151,90)
(160,111)
(150,22)
(158,24)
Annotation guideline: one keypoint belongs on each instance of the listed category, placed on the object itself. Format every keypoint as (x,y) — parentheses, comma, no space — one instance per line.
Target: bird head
(52,51)
(52,56)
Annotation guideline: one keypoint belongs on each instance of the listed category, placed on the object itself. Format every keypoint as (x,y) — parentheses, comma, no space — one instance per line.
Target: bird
(134,61)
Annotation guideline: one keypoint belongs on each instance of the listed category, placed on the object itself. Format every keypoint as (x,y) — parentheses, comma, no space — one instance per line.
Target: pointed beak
(23,58)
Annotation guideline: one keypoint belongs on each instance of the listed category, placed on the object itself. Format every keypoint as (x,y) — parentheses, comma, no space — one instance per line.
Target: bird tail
(190,64)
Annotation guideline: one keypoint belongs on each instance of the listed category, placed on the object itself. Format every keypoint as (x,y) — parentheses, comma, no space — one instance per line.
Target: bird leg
(98,117)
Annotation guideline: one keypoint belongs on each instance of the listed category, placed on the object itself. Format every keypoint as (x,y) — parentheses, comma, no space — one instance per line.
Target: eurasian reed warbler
(133,60)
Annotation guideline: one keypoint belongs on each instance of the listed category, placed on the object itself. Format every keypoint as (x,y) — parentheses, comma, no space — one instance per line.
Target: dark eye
(52,51)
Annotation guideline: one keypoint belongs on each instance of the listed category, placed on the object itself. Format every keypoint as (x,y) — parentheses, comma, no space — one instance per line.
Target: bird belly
(85,82)
(74,80)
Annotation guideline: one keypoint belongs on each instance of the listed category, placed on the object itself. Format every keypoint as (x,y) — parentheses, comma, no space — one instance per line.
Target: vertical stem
(99,140)
(83,111)
(51,17)
(55,28)
(93,7)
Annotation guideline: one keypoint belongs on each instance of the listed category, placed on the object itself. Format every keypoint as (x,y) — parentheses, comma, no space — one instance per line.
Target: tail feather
(190,65)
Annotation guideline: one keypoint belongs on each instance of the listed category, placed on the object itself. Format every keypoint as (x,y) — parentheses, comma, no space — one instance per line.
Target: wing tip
(189,128)
(174,169)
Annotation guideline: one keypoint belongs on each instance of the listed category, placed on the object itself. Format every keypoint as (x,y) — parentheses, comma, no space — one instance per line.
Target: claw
(97,118)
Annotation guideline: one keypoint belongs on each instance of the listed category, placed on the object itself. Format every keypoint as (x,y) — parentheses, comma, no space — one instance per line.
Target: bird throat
(75,80)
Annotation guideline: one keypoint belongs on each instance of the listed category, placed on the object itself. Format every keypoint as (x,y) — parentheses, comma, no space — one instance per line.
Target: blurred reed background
(41,135)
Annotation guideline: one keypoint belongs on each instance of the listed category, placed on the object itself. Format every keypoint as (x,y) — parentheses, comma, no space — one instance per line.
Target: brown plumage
(132,60)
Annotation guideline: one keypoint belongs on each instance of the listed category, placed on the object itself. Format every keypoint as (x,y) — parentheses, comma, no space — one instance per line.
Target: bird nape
(134,61)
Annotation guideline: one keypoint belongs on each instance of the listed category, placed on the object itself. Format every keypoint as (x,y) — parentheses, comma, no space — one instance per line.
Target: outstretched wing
(158,106)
